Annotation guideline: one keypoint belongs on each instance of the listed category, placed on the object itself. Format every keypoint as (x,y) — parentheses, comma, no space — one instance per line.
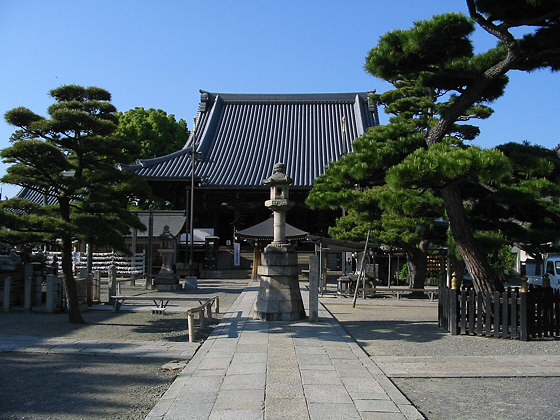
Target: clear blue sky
(158,54)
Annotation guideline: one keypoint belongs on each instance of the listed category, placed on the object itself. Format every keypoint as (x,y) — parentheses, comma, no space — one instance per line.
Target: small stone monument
(166,280)
(279,298)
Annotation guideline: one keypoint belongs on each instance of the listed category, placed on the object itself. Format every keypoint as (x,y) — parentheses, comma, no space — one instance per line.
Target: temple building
(237,140)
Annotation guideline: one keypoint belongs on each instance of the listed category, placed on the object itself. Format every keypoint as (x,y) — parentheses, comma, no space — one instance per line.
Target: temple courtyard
(382,359)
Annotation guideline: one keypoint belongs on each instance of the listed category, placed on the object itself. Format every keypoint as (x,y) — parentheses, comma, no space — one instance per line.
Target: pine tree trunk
(74,315)
(417,265)
(484,278)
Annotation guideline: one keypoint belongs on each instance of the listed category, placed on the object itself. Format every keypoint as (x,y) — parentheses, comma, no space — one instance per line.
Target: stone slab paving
(58,345)
(253,369)
(469,366)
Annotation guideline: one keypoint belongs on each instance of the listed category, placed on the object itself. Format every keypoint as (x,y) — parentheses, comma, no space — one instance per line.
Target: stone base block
(279,299)
(167,287)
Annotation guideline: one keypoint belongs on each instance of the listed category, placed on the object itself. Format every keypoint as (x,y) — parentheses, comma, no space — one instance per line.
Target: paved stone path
(252,369)
(152,349)
(469,366)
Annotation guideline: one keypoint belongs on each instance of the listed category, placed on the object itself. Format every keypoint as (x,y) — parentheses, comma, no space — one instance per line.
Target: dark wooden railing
(511,314)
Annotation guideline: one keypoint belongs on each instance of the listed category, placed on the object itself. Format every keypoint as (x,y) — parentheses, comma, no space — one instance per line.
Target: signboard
(236,254)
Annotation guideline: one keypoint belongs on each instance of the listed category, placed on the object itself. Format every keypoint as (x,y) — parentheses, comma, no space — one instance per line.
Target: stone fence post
(97,286)
(112,289)
(28,286)
(54,293)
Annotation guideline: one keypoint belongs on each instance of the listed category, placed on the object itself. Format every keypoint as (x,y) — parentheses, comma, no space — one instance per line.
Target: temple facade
(236,142)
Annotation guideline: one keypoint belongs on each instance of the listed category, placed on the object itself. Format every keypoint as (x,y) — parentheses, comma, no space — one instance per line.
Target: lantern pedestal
(279,298)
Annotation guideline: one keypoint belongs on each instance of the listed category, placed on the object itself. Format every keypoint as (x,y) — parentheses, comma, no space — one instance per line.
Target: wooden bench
(204,311)
(346,286)
(398,292)
(161,301)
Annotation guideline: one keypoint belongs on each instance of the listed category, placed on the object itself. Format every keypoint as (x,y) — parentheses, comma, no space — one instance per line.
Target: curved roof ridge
(154,161)
(288,97)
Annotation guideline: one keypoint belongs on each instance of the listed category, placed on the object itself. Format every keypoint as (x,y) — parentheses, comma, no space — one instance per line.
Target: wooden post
(217,300)
(523,311)
(453,324)
(488,308)
(513,313)
(496,314)
(201,317)
(190,325)
(209,310)
(505,313)
(463,311)
(479,313)
(440,307)
(471,311)
(150,246)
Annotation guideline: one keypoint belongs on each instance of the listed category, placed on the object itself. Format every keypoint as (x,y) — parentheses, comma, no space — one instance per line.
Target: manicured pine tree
(440,83)
(398,216)
(69,157)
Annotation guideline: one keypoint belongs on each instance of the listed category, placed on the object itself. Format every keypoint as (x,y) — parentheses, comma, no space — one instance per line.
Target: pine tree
(440,84)
(71,158)
(399,217)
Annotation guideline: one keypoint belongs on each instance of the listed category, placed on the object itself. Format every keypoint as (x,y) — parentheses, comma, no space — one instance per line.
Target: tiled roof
(241,137)
(265,231)
(37,197)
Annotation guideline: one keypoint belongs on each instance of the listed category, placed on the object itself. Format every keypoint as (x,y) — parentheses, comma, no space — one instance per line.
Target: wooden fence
(511,314)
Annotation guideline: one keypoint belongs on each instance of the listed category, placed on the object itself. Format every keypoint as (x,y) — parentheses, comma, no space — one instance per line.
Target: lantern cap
(279,176)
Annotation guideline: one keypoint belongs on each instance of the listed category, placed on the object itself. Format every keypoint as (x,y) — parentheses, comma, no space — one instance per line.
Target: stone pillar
(314,288)
(279,297)
(28,286)
(37,284)
(112,280)
(97,286)
(54,293)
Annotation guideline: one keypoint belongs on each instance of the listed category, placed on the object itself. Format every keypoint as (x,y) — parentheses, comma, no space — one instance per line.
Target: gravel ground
(70,386)
(65,387)
(484,398)
(387,327)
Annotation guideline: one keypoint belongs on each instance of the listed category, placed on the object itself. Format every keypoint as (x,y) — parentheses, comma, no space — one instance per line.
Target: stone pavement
(252,369)
(152,349)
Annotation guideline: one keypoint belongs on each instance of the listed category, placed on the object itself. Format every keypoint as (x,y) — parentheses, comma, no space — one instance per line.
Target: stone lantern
(166,279)
(279,297)
(279,184)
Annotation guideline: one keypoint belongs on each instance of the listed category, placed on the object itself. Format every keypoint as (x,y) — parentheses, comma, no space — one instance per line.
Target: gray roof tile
(242,136)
